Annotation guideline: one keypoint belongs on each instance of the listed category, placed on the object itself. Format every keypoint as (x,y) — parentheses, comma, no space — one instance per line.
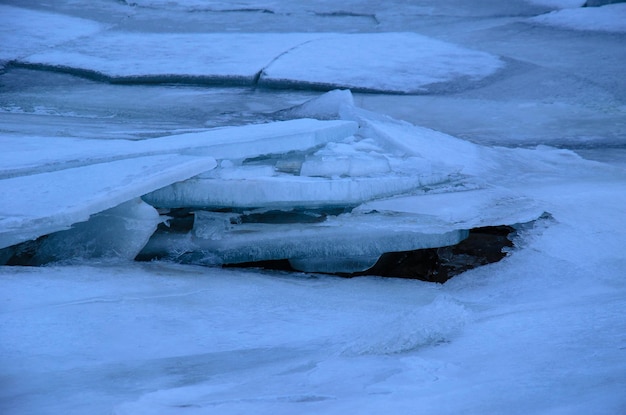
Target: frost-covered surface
(608,18)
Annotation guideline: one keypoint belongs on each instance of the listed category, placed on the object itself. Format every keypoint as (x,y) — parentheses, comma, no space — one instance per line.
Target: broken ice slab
(286,191)
(28,155)
(235,58)
(405,139)
(218,238)
(39,204)
(465,209)
(120,232)
(382,62)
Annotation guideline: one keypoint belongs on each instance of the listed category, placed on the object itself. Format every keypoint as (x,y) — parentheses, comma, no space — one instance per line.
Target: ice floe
(218,238)
(608,18)
(24,32)
(390,62)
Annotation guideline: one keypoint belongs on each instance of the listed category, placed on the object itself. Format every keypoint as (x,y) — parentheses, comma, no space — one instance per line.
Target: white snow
(391,62)
(608,18)
(24,32)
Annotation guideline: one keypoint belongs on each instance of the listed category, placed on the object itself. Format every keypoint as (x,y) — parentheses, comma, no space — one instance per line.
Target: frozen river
(543,331)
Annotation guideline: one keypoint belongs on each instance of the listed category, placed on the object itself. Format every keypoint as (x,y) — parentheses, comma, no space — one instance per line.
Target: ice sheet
(27,155)
(408,139)
(466,209)
(24,32)
(285,191)
(390,62)
(206,57)
(609,18)
(346,235)
(38,204)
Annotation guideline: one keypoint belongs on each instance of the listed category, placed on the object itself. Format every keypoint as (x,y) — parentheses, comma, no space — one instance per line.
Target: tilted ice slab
(49,184)
(24,32)
(39,204)
(403,138)
(609,18)
(28,155)
(215,239)
(120,232)
(491,206)
(390,62)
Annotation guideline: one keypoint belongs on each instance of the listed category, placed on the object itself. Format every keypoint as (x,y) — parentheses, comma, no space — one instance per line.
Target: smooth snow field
(461,113)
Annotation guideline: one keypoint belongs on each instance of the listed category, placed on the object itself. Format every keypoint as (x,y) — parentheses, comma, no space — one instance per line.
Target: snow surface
(542,331)
(608,18)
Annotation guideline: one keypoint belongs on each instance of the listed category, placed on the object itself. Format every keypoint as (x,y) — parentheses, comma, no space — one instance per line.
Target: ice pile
(327,194)
(384,186)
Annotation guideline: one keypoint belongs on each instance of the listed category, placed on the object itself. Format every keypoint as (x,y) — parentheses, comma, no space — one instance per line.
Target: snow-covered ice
(541,331)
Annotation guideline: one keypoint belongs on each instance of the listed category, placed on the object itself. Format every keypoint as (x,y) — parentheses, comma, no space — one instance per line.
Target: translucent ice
(284,190)
(345,236)
(120,232)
